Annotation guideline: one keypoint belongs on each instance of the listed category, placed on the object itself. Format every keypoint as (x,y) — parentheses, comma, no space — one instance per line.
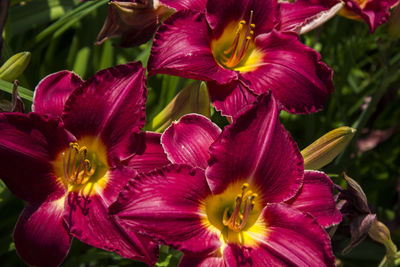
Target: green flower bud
(14,66)
(326,148)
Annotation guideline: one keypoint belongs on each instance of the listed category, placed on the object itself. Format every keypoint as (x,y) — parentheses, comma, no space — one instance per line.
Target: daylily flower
(235,47)
(70,170)
(135,21)
(252,203)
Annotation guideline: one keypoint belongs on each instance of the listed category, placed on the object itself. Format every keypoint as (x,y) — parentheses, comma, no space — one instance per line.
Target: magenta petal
(374,13)
(166,205)
(257,149)
(292,71)
(316,198)
(40,236)
(182,47)
(293,238)
(214,260)
(230,98)
(185,4)
(88,220)
(221,13)
(52,92)
(110,105)
(188,140)
(28,145)
(293,15)
(148,152)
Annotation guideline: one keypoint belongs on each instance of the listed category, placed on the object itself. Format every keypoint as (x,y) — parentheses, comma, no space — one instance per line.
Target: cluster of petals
(70,158)
(237,46)
(236,197)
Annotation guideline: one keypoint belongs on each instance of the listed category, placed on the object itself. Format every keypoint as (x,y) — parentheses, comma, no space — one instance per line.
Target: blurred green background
(60,34)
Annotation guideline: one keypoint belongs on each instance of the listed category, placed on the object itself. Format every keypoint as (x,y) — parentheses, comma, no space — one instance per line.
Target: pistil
(236,52)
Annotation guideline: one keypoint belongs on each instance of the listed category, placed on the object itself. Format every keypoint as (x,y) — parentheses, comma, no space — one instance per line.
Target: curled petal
(292,71)
(182,47)
(230,98)
(292,238)
(53,91)
(188,140)
(316,198)
(28,145)
(40,236)
(256,149)
(167,205)
(306,14)
(110,105)
(87,216)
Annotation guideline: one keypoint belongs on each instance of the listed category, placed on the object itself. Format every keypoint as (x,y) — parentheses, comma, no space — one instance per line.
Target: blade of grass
(23,92)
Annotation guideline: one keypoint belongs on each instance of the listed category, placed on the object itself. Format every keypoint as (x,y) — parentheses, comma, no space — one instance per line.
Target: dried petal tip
(192,99)
(322,151)
(14,66)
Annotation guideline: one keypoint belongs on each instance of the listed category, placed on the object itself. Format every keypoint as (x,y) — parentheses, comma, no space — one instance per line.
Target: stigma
(76,165)
(236,220)
(236,52)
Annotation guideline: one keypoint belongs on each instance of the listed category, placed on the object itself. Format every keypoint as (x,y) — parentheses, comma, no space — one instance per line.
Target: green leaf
(23,92)
(69,19)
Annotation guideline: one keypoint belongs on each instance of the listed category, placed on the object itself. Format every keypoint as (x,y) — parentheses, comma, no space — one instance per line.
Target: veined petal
(316,198)
(292,238)
(28,145)
(199,5)
(110,105)
(292,71)
(167,205)
(86,214)
(53,91)
(230,98)
(40,236)
(148,152)
(221,13)
(188,140)
(182,47)
(296,15)
(256,149)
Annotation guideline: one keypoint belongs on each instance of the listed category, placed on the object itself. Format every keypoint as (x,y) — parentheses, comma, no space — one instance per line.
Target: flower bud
(192,99)
(326,148)
(134,21)
(380,233)
(14,66)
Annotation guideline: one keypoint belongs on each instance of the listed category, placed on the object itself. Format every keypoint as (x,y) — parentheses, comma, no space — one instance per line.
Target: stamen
(237,51)
(238,220)
(79,170)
